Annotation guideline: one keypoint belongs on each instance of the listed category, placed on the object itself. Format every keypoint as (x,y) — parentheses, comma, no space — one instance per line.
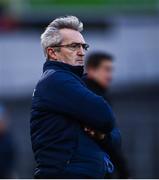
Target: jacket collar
(51,64)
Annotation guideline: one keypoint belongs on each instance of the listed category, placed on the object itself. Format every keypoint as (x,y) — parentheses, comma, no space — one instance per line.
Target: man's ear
(51,53)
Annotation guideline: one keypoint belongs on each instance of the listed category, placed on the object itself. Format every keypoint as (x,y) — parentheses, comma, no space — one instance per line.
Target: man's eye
(74,45)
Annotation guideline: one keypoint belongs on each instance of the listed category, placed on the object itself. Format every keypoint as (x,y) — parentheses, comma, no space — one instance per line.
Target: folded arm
(65,94)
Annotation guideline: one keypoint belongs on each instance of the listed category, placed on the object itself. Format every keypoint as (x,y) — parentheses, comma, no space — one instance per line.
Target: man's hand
(94,133)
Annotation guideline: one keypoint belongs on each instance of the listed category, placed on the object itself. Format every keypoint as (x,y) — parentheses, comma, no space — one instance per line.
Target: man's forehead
(70,36)
(106,62)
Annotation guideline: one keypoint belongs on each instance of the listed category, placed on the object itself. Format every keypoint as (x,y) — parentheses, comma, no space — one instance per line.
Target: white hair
(52,37)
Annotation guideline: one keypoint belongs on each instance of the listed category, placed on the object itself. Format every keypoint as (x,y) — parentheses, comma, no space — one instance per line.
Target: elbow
(108,121)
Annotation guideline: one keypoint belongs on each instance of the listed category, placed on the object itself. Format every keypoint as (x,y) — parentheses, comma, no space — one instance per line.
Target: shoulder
(53,77)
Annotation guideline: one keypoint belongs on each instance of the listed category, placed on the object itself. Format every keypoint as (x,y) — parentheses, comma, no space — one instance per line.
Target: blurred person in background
(62,105)
(7,148)
(98,77)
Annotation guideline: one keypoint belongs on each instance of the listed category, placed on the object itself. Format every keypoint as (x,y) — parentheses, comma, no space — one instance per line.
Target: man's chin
(79,63)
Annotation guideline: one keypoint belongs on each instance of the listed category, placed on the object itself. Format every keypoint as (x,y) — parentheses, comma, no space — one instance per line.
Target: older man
(62,105)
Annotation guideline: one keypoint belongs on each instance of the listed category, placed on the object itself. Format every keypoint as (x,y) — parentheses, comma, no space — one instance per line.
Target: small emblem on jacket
(33,92)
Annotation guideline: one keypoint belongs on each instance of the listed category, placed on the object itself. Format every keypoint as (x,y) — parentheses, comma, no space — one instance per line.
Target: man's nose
(81,51)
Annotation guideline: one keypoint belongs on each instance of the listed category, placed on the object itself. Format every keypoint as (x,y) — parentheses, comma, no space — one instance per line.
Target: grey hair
(51,35)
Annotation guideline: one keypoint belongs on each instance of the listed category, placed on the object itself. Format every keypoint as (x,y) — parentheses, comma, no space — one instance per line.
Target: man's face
(102,74)
(69,55)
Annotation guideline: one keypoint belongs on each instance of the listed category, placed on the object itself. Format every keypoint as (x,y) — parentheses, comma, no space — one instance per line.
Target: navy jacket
(61,103)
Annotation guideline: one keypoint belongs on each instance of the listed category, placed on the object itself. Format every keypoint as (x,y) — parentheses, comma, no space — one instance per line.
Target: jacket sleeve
(112,145)
(65,94)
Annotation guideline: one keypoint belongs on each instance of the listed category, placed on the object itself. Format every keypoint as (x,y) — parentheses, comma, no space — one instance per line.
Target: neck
(50,63)
(95,86)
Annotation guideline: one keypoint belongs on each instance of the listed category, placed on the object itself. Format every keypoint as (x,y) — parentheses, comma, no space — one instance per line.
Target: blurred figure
(99,68)
(7,152)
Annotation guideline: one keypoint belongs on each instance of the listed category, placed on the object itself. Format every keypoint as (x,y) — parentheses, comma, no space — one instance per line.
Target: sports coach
(62,105)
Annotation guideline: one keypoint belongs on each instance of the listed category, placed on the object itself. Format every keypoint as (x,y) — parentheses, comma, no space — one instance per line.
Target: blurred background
(128,29)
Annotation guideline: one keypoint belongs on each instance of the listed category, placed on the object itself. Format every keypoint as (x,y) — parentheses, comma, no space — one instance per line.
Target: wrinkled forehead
(71,36)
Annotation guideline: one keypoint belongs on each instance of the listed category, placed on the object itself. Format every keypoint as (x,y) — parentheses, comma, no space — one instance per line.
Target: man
(7,147)
(99,68)
(62,105)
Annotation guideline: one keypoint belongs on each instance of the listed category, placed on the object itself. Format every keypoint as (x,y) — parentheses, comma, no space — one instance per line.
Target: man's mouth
(79,60)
